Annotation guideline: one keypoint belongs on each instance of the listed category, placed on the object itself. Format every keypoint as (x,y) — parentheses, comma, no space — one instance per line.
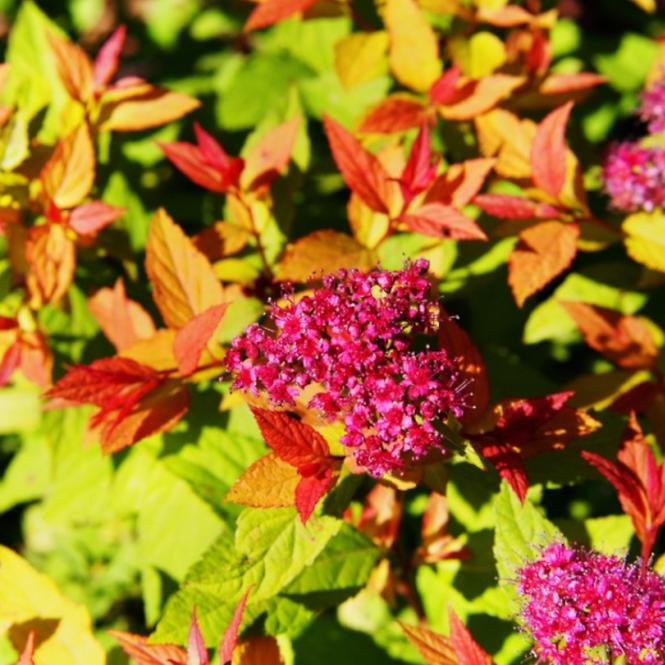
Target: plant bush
(332,330)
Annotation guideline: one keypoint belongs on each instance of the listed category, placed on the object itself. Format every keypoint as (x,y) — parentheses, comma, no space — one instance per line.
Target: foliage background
(119,533)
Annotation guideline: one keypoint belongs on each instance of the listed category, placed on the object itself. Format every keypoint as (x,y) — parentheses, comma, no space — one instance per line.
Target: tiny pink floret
(353,341)
(582,607)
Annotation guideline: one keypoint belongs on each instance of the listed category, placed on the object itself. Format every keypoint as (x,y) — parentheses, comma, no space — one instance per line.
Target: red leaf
(271,155)
(460,183)
(189,159)
(444,89)
(394,114)
(420,169)
(143,653)
(361,170)
(639,482)
(505,206)
(196,648)
(10,361)
(311,489)
(272,11)
(92,217)
(108,57)
(293,441)
(194,336)
(28,653)
(469,363)
(467,650)
(122,320)
(211,151)
(304,448)
(434,648)
(514,430)
(231,633)
(441,221)
(548,151)
(625,340)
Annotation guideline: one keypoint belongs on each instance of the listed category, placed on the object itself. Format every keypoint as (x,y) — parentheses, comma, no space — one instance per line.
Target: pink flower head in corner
(634,177)
(652,107)
(582,607)
(352,343)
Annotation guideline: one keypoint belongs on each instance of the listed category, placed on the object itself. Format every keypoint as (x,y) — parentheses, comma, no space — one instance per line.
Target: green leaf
(33,82)
(521,532)
(548,321)
(214,463)
(19,409)
(27,475)
(627,67)
(345,563)
(269,550)
(260,86)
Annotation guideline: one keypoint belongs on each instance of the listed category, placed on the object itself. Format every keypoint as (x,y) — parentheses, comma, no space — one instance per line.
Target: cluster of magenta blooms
(349,350)
(582,607)
(634,172)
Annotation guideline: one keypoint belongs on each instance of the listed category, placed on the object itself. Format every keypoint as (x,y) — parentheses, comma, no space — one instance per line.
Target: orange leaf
(542,253)
(396,113)
(272,11)
(183,280)
(322,252)
(467,650)
(230,637)
(548,151)
(89,218)
(142,652)
(270,156)
(482,96)
(194,336)
(258,651)
(122,320)
(221,239)
(74,67)
(155,351)
(68,175)
(361,170)
(143,107)
(625,340)
(267,483)
(434,648)
(52,258)
(381,515)
(558,84)
(442,221)
(460,183)
(414,48)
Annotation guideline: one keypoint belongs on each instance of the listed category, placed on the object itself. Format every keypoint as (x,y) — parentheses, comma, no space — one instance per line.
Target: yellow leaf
(361,57)
(479,56)
(143,106)
(268,483)
(369,227)
(491,5)
(184,282)
(156,351)
(414,49)
(31,601)
(647,5)
(322,252)
(645,238)
(68,175)
(503,134)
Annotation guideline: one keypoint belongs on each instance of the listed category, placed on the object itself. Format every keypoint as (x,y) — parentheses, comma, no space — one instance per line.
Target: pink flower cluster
(652,108)
(351,345)
(635,177)
(583,607)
